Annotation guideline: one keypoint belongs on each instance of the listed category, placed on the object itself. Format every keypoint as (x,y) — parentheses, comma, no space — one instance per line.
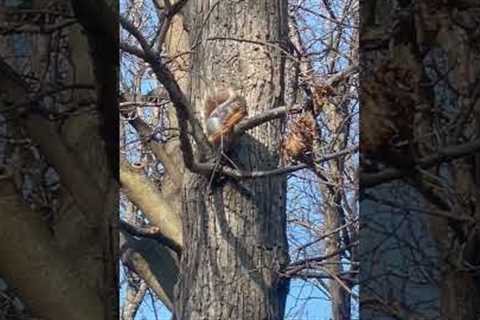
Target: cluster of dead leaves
(298,143)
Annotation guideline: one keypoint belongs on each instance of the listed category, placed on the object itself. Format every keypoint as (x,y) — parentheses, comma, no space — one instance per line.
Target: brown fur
(227,106)
(298,144)
(212,101)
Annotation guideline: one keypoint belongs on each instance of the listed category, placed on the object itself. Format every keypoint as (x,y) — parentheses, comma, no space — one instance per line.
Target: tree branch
(172,168)
(151,232)
(137,52)
(144,194)
(43,132)
(183,109)
(261,174)
(259,119)
(368,180)
(32,253)
(155,264)
(35,29)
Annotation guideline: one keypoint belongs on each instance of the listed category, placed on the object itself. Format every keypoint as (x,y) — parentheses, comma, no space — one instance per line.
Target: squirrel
(223,109)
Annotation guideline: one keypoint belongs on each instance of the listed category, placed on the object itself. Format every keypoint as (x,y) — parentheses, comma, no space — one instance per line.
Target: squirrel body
(223,110)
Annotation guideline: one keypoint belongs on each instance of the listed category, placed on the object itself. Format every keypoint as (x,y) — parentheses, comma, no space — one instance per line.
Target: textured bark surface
(335,218)
(235,232)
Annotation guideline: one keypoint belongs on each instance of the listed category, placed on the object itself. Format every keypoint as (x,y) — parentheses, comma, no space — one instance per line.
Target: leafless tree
(212,222)
(420,143)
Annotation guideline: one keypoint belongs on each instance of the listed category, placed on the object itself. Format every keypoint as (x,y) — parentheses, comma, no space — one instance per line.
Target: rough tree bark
(335,215)
(235,231)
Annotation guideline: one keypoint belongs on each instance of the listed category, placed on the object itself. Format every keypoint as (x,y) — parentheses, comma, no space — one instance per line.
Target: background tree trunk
(79,236)
(333,194)
(423,84)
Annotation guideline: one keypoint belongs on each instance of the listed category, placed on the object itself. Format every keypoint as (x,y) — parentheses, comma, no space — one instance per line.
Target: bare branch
(151,232)
(28,28)
(160,151)
(157,265)
(261,174)
(306,262)
(30,249)
(183,108)
(262,118)
(368,180)
(132,50)
(144,194)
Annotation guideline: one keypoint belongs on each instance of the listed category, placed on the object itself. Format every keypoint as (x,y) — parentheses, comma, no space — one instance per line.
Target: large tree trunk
(235,231)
